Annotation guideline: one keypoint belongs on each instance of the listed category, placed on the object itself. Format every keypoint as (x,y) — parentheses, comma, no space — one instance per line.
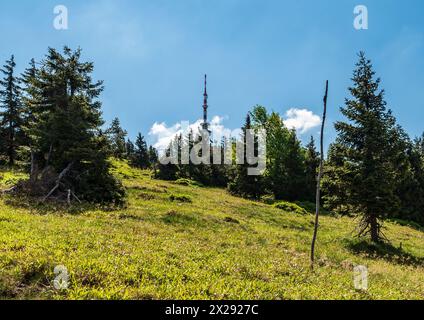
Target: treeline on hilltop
(290,168)
(51,124)
(373,169)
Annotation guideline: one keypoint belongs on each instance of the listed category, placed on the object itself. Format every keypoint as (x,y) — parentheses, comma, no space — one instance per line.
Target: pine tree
(242,183)
(168,171)
(294,188)
(367,148)
(189,170)
(219,172)
(153,156)
(141,153)
(335,180)
(311,170)
(66,138)
(30,94)
(410,179)
(11,112)
(130,151)
(117,137)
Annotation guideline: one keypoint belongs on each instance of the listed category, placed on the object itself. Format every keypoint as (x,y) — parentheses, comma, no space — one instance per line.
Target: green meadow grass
(214,246)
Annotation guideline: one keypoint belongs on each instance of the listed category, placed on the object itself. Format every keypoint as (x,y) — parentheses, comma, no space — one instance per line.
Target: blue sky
(152,55)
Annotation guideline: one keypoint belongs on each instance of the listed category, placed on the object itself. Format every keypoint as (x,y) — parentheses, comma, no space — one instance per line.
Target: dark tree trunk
(11,149)
(374,229)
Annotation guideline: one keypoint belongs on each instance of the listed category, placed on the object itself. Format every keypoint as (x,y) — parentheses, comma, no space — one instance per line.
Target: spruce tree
(66,137)
(190,170)
(30,99)
(311,170)
(117,138)
(130,151)
(335,180)
(367,148)
(242,183)
(141,153)
(168,171)
(153,156)
(11,112)
(410,180)
(294,187)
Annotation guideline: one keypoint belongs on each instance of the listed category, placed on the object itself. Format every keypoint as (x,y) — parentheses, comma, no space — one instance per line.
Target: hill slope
(162,246)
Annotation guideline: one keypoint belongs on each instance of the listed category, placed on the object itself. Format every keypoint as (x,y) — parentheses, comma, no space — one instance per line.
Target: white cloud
(163,134)
(302,120)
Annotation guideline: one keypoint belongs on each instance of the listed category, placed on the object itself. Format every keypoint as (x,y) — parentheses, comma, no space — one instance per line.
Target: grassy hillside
(188,242)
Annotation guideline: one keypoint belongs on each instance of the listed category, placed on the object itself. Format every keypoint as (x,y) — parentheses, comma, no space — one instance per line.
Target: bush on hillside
(187,182)
(311,207)
(180,198)
(290,207)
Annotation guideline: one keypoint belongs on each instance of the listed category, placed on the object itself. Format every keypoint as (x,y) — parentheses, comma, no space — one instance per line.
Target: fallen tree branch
(75,196)
(58,180)
(10,190)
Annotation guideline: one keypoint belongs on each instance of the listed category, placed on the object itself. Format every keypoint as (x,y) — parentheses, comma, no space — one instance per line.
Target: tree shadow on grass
(410,224)
(38,207)
(311,208)
(385,251)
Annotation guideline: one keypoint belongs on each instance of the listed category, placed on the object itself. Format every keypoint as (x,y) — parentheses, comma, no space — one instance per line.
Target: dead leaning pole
(318,192)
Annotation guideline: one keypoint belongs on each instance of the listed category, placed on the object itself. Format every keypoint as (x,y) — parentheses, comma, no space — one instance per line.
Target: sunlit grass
(215,247)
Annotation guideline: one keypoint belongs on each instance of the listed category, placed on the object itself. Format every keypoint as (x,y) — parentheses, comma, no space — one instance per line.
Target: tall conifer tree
(368,149)
(66,136)
(11,112)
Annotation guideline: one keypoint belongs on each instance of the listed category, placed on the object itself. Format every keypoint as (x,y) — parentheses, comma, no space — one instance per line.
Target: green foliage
(268,199)
(117,142)
(411,224)
(141,153)
(180,198)
(286,172)
(153,156)
(310,207)
(410,178)
(243,184)
(290,207)
(64,128)
(187,182)
(312,161)
(176,168)
(11,113)
(9,178)
(335,181)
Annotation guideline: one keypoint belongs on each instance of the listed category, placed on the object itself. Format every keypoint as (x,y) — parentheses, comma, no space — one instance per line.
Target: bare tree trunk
(318,192)
(32,166)
(49,155)
(33,174)
(374,229)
